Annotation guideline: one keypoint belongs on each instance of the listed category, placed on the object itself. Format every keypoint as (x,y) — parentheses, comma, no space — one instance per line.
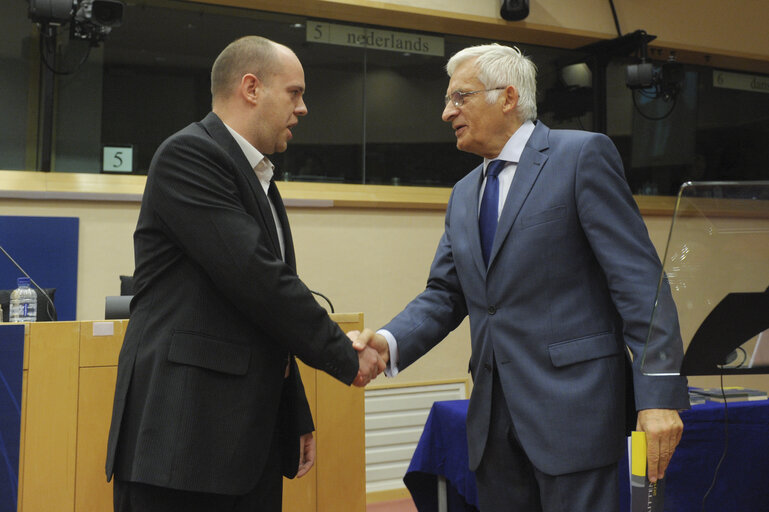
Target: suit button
(492,310)
(487,367)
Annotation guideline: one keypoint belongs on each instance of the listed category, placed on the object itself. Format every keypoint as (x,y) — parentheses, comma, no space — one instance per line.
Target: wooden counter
(54,186)
(68,387)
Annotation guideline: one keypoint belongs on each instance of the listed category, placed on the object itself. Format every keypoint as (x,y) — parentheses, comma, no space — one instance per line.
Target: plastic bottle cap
(22,281)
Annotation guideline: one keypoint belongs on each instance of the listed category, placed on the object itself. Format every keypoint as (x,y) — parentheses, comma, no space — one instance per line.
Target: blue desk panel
(47,249)
(11,363)
(742,484)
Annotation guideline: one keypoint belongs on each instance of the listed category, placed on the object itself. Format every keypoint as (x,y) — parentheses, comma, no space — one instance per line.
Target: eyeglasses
(458,97)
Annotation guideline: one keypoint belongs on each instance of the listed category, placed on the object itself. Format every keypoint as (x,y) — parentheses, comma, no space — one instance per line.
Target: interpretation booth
(57,382)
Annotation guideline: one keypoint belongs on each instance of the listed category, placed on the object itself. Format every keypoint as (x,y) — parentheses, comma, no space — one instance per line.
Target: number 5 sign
(118,159)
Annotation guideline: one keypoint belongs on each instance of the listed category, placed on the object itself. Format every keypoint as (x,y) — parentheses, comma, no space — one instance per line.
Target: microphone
(50,307)
(326,298)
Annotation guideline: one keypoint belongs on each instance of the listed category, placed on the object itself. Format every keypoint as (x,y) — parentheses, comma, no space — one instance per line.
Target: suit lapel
(215,127)
(468,198)
(532,160)
(280,209)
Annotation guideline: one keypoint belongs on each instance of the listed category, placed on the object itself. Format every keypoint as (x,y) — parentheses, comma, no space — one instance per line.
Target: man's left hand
(663,429)
(306,454)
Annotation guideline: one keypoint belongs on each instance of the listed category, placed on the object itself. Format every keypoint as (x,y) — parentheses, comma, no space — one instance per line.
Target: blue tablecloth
(442,450)
(742,484)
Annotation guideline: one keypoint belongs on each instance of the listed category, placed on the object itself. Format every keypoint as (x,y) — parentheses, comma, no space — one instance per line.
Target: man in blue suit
(545,249)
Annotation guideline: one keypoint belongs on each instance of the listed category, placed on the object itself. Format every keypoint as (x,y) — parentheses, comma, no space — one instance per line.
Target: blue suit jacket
(571,281)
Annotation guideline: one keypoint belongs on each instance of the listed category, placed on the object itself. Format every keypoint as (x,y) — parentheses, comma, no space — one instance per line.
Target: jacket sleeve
(198,194)
(294,419)
(436,311)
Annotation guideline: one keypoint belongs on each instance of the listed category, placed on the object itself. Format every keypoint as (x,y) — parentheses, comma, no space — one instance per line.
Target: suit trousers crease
(508,481)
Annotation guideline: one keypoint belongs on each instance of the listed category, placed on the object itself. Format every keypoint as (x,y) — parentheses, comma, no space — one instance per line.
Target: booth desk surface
(742,484)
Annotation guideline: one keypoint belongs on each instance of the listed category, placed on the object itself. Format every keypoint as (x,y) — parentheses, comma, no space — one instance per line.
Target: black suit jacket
(215,315)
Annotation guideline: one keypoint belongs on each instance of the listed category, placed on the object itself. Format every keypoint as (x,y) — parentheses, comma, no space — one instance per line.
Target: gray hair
(250,54)
(500,66)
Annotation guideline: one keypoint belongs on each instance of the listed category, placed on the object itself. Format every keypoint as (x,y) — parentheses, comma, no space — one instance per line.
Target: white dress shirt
(264,170)
(511,153)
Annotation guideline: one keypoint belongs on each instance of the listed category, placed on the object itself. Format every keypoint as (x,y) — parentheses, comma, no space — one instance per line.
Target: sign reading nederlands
(349,35)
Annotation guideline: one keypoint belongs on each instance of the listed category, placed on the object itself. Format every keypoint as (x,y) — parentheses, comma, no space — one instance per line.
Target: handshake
(373,355)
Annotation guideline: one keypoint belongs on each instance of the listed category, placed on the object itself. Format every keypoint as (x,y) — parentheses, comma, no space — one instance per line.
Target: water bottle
(23,306)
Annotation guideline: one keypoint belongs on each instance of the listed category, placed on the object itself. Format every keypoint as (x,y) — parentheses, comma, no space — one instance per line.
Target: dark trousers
(508,481)
(266,496)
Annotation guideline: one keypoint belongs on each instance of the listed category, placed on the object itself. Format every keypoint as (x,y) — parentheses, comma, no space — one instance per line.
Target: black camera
(91,20)
(94,19)
(666,79)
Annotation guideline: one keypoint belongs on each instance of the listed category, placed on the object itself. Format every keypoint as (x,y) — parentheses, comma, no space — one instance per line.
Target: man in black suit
(209,408)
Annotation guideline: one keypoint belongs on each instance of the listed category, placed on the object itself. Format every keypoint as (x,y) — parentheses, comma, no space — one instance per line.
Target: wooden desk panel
(68,389)
(340,422)
(50,417)
(97,390)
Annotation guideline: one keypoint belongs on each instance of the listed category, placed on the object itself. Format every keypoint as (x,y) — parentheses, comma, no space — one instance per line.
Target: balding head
(250,54)
(257,87)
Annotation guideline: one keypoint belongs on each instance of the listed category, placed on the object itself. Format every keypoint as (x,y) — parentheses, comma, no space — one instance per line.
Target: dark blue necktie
(487,220)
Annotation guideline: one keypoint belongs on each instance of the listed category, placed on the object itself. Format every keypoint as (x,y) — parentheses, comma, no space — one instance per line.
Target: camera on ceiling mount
(666,79)
(90,20)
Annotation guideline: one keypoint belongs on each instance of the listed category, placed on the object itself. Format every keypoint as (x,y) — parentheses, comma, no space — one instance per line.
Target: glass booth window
(17,99)
(714,128)
(374,110)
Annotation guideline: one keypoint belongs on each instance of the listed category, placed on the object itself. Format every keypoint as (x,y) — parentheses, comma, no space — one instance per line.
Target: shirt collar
(262,165)
(513,148)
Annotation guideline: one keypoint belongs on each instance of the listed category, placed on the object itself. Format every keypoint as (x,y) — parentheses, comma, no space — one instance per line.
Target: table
(441,459)
(742,483)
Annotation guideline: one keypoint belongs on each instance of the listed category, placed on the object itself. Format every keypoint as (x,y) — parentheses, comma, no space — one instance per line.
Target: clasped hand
(373,355)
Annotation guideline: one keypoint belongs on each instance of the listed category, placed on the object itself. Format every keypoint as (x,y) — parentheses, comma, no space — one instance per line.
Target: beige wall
(366,260)
(369,260)
(376,261)
(105,248)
